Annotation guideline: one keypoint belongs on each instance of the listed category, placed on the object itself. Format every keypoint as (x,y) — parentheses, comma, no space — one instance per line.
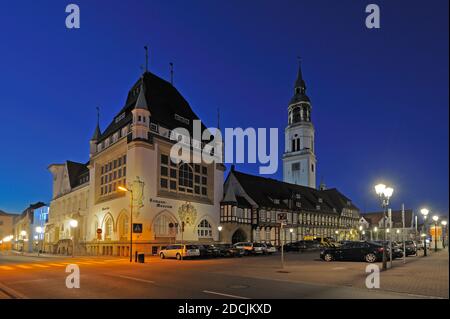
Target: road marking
(6,268)
(83,263)
(24,267)
(133,278)
(56,265)
(40,266)
(224,295)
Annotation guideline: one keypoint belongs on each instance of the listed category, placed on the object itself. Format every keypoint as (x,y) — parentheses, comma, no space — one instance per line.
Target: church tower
(299,161)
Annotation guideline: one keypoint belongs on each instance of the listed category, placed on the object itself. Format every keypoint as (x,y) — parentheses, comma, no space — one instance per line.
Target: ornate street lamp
(384,193)
(444,224)
(73,224)
(435,219)
(424,213)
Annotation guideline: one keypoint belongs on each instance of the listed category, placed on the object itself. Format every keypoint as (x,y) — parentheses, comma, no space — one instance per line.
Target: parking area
(306,267)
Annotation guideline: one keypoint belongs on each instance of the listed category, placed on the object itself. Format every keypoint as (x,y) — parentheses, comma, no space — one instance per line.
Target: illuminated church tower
(299,161)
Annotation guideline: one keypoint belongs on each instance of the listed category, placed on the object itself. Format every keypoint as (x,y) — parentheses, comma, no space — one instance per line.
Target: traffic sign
(137,228)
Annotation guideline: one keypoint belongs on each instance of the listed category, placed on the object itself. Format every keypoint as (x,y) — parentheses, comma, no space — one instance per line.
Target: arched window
(162,227)
(123,226)
(108,228)
(296,115)
(185,179)
(204,229)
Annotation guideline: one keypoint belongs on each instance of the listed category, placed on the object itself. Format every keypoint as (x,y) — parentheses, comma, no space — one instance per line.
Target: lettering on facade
(160,203)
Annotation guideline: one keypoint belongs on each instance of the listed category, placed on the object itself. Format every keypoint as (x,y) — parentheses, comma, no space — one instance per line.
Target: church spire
(300,86)
(97,131)
(141,102)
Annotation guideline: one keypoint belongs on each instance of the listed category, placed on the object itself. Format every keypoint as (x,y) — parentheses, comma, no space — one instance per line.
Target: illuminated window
(204,229)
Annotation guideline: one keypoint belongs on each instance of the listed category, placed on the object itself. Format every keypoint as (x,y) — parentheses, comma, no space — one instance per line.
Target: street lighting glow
(39,229)
(388,191)
(398,231)
(220,228)
(379,189)
(360,228)
(23,233)
(444,223)
(388,230)
(73,223)
(424,212)
(123,189)
(375,229)
(291,230)
(435,218)
(336,232)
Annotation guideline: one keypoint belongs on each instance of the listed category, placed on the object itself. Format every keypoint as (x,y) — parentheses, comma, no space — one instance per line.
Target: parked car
(246,246)
(179,251)
(251,248)
(410,247)
(259,249)
(209,251)
(353,251)
(228,250)
(270,249)
(294,246)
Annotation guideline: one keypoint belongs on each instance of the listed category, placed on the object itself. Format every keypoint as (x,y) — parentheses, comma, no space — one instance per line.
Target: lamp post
(39,231)
(291,230)
(360,232)
(73,224)
(125,189)
(384,193)
(219,228)
(424,213)
(444,224)
(375,229)
(337,234)
(435,219)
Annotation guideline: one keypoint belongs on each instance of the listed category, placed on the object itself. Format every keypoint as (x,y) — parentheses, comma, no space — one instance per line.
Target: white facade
(134,153)
(299,160)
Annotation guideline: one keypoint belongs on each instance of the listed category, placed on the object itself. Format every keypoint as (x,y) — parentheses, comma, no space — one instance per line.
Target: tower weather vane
(171,73)
(146,58)
(98,114)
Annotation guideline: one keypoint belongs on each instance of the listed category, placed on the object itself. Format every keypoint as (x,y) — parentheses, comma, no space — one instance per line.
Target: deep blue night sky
(380,97)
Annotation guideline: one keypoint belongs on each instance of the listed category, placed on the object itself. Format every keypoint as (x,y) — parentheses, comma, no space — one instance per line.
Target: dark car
(209,251)
(294,246)
(410,247)
(228,250)
(397,250)
(353,251)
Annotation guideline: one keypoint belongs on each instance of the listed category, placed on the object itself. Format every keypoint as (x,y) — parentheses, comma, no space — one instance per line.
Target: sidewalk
(421,275)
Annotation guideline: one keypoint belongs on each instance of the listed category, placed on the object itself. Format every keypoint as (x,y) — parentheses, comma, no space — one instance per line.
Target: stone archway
(238,236)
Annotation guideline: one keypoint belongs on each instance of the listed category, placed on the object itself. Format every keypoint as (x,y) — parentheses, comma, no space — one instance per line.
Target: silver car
(179,251)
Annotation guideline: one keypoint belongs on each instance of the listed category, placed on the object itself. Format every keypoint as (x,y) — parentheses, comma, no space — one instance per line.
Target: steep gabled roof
(265,190)
(375,217)
(167,106)
(75,171)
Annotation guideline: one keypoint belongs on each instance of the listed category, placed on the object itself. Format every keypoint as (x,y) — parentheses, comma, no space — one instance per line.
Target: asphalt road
(103,277)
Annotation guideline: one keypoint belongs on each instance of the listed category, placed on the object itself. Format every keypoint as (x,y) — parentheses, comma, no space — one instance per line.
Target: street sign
(137,228)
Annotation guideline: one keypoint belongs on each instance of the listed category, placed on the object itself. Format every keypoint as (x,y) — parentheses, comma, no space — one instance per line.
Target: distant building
(254,208)
(26,236)
(6,230)
(375,226)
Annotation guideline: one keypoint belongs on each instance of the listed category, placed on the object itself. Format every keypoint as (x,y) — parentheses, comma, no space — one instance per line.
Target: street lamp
(444,224)
(384,193)
(124,189)
(291,230)
(337,233)
(39,231)
(360,232)
(435,219)
(219,228)
(424,213)
(73,224)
